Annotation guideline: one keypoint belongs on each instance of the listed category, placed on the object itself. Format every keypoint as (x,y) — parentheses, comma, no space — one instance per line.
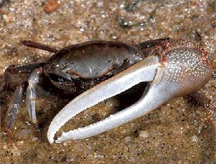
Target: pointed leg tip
(34,121)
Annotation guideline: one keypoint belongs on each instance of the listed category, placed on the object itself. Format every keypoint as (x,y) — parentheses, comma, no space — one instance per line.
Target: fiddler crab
(98,70)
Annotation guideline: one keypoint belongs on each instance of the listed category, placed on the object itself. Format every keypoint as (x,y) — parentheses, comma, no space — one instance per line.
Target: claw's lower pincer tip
(58,141)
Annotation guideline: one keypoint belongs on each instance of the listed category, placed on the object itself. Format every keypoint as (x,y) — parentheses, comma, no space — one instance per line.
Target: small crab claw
(144,71)
(31,94)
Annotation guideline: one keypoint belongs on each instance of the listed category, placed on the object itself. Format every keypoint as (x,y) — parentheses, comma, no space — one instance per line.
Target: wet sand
(180,131)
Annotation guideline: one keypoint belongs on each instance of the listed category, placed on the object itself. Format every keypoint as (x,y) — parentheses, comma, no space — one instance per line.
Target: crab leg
(145,70)
(31,94)
(15,105)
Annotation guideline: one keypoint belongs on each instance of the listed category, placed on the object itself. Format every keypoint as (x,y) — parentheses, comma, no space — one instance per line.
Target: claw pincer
(173,68)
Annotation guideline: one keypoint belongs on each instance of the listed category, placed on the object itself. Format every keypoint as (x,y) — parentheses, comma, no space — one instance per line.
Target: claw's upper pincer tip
(50,136)
(50,139)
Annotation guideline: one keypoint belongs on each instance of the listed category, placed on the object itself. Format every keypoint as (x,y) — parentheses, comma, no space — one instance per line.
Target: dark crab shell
(92,59)
(84,65)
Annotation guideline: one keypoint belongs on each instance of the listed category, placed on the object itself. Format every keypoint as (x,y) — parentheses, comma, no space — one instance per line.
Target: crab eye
(57,78)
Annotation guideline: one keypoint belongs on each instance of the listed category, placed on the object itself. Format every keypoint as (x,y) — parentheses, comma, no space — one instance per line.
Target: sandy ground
(177,132)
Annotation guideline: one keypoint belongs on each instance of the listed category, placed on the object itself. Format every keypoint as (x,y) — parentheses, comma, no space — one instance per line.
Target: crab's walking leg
(31,94)
(16,69)
(142,71)
(15,105)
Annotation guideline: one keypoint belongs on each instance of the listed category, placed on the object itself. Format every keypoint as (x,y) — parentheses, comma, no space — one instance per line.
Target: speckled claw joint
(176,69)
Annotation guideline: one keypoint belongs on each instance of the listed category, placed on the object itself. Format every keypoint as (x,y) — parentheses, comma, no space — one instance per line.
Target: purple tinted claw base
(181,68)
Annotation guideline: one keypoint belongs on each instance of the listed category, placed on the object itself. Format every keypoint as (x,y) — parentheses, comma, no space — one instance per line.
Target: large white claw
(144,71)
(183,69)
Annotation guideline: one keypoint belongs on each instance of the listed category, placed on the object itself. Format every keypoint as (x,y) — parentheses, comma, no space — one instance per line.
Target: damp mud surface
(180,131)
